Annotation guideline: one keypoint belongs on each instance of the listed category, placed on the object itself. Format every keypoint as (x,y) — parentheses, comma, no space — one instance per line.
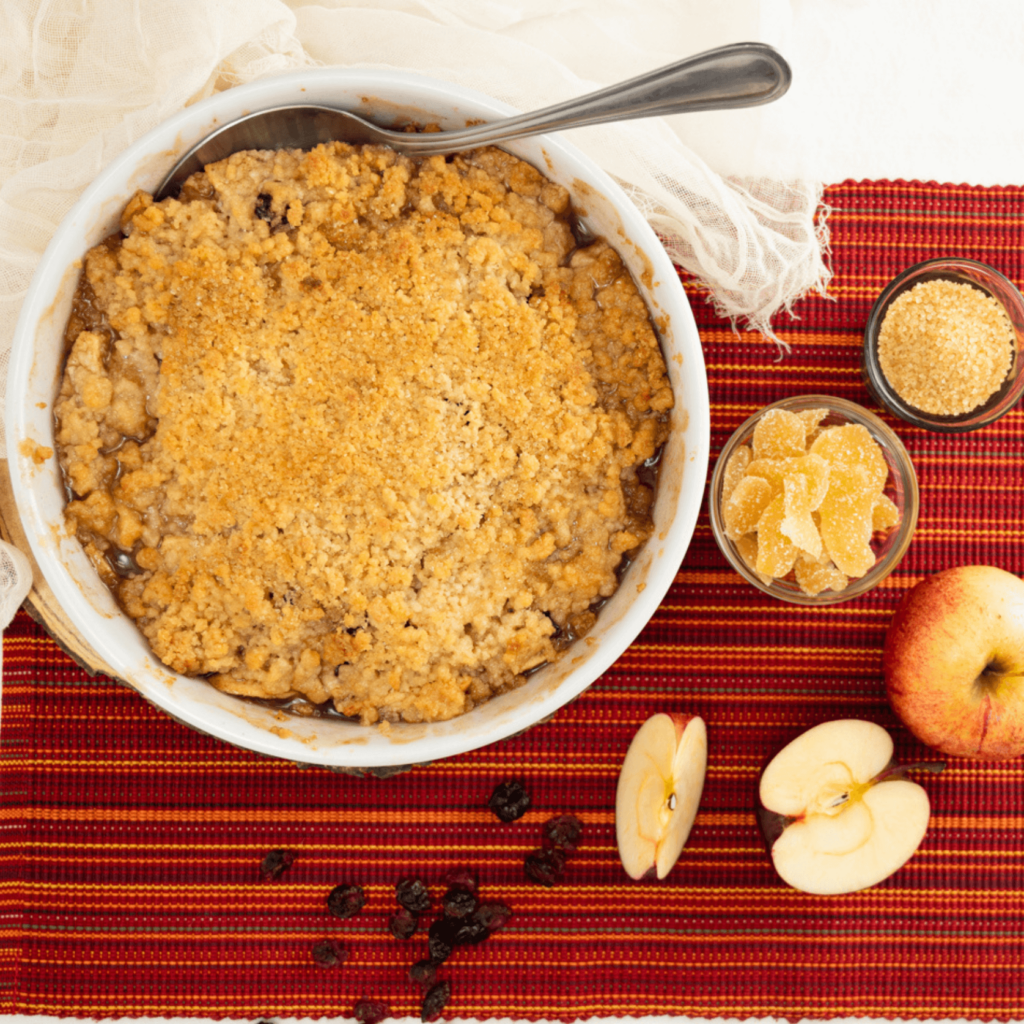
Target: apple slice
(659,789)
(837,813)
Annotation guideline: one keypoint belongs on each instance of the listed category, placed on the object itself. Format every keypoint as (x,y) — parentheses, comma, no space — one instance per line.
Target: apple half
(836,812)
(658,793)
(954,662)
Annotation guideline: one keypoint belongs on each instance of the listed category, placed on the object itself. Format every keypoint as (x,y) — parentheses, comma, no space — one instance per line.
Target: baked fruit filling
(341,426)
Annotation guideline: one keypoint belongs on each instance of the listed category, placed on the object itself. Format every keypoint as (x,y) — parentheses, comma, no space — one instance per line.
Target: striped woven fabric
(131,845)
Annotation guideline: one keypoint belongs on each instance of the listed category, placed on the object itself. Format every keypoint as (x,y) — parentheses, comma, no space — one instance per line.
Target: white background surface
(881,88)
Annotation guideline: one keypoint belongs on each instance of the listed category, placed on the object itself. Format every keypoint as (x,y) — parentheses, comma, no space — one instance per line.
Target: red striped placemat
(129,874)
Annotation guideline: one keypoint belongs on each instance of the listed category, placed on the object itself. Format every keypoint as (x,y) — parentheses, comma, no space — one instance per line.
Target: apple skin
(954,662)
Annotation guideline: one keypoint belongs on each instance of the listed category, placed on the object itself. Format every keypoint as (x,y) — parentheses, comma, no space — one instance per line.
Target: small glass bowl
(900,488)
(947,268)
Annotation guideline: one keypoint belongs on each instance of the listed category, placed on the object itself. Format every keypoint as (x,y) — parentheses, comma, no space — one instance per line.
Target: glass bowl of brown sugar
(813,500)
(942,345)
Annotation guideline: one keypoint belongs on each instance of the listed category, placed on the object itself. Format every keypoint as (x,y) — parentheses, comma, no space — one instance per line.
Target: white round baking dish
(36,366)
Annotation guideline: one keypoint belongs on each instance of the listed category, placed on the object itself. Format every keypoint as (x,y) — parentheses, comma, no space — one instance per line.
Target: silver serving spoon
(740,75)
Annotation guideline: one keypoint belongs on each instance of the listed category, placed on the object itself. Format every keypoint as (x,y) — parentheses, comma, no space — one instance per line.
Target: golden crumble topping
(343,426)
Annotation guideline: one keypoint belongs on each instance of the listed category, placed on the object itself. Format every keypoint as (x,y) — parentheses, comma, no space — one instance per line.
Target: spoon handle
(739,75)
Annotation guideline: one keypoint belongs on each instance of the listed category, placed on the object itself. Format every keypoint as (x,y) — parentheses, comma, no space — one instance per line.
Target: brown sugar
(945,347)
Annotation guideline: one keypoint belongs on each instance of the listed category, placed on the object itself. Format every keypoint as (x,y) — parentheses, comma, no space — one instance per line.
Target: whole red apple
(954,662)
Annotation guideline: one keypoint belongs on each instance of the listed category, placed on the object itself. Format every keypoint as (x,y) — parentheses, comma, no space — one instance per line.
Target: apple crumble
(340,426)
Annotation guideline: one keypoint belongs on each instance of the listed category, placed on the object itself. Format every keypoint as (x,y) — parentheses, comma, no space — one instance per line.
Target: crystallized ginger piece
(853,445)
(885,515)
(798,523)
(735,470)
(815,575)
(772,470)
(779,435)
(775,471)
(846,518)
(776,553)
(745,505)
(816,469)
(811,420)
(747,547)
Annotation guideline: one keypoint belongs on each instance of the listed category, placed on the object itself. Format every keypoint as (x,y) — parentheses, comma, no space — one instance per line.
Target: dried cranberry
(545,867)
(413,894)
(275,864)
(463,878)
(329,953)
(424,973)
(441,939)
(345,900)
(370,1011)
(262,209)
(470,931)
(492,915)
(563,832)
(435,1001)
(403,924)
(509,800)
(458,903)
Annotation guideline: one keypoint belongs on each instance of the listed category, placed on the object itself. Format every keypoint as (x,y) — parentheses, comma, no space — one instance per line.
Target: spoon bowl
(739,75)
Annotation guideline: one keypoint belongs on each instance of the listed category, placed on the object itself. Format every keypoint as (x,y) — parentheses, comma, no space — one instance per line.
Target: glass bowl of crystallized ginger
(814,500)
